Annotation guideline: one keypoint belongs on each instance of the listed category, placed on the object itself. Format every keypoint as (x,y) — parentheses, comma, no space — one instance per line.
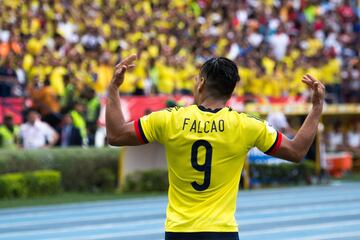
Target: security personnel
(8,133)
(79,121)
(93,107)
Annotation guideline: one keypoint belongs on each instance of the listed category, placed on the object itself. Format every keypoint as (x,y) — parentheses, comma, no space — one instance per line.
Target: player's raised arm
(295,150)
(119,132)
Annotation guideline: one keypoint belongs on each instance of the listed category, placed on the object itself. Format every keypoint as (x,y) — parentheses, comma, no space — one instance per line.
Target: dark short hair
(8,117)
(32,110)
(220,75)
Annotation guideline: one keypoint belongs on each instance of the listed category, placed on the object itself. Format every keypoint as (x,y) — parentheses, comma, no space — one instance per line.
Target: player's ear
(201,85)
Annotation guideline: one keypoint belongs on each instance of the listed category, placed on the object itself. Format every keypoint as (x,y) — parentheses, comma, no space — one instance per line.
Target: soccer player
(206,146)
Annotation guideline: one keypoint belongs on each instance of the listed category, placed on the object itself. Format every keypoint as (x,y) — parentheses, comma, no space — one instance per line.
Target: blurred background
(57,58)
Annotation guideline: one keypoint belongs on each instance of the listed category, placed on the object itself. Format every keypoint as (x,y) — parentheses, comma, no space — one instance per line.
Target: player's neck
(212,103)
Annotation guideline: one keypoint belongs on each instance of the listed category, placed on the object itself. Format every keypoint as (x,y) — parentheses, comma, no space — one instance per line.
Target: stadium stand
(56,53)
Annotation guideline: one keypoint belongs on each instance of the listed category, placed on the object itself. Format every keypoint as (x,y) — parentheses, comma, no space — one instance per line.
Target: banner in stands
(135,107)
(13,107)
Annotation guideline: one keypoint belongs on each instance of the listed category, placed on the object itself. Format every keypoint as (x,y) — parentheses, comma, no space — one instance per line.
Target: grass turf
(72,197)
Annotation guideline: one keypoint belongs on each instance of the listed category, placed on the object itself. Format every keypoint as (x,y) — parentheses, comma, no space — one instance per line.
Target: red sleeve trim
(273,149)
(137,131)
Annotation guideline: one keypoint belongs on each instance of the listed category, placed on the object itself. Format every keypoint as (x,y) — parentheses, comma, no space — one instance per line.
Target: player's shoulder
(251,119)
(169,112)
(174,109)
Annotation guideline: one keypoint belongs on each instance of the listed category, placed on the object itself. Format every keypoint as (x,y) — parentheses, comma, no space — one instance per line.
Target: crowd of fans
(274,42)
(60,54)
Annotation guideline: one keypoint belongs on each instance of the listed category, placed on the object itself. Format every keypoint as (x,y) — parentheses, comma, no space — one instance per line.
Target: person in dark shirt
(8,79)
(69,134)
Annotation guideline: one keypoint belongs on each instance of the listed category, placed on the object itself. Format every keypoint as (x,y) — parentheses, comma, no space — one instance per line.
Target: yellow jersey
(206,150)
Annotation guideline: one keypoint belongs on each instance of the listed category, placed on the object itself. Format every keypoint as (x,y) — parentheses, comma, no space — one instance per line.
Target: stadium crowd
(60,54)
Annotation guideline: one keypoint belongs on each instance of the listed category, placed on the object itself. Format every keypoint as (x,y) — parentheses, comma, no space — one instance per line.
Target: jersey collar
(202,108)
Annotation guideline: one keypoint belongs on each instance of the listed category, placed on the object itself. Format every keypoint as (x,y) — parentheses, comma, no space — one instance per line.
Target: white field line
(157,221)
(78,206)
(242,233)
(113,235)
(239,215)
(242,204)
(327,236)
(265,194)
(80,229)
(91,210)
(312,226)
(294,210)
(82,218)
(300,217)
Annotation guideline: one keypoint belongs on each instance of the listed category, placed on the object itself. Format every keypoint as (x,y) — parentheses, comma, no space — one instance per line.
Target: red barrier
(135,107)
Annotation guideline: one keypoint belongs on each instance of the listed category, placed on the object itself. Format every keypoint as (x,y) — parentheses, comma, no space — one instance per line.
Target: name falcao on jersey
(197,126)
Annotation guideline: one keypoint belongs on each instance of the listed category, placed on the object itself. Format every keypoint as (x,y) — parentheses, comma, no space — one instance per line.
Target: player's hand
(318,94)
(120,70)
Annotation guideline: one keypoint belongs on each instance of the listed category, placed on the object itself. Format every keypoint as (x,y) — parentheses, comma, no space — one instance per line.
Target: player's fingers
(316,86)
(311,78)
(120,71)
(129,60)
(308,84)
(123,69)
(319,89)
(307,81)
(118,65)
(131,66)
(315,80)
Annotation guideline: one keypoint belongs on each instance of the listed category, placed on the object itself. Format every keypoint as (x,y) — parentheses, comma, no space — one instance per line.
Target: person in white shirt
(279,43)
(352,139)
(36,133)
(279,121)
(353,136)
(335,138)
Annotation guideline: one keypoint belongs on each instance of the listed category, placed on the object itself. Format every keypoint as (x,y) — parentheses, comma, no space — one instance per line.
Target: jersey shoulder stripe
(140,132)
(170,109)
(276,144)
(249,115)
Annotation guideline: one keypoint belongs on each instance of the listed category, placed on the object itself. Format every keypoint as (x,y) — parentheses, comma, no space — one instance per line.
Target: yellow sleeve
(151,127)
(265,137)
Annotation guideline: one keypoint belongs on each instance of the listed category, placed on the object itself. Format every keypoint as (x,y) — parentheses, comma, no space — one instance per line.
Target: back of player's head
(220,75)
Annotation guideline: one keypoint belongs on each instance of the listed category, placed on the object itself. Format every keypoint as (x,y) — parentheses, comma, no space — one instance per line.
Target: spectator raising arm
(295,150)
(119,132)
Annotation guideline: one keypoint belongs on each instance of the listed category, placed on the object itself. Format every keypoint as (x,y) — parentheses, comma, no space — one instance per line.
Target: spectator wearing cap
(36,133)
(8,133)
